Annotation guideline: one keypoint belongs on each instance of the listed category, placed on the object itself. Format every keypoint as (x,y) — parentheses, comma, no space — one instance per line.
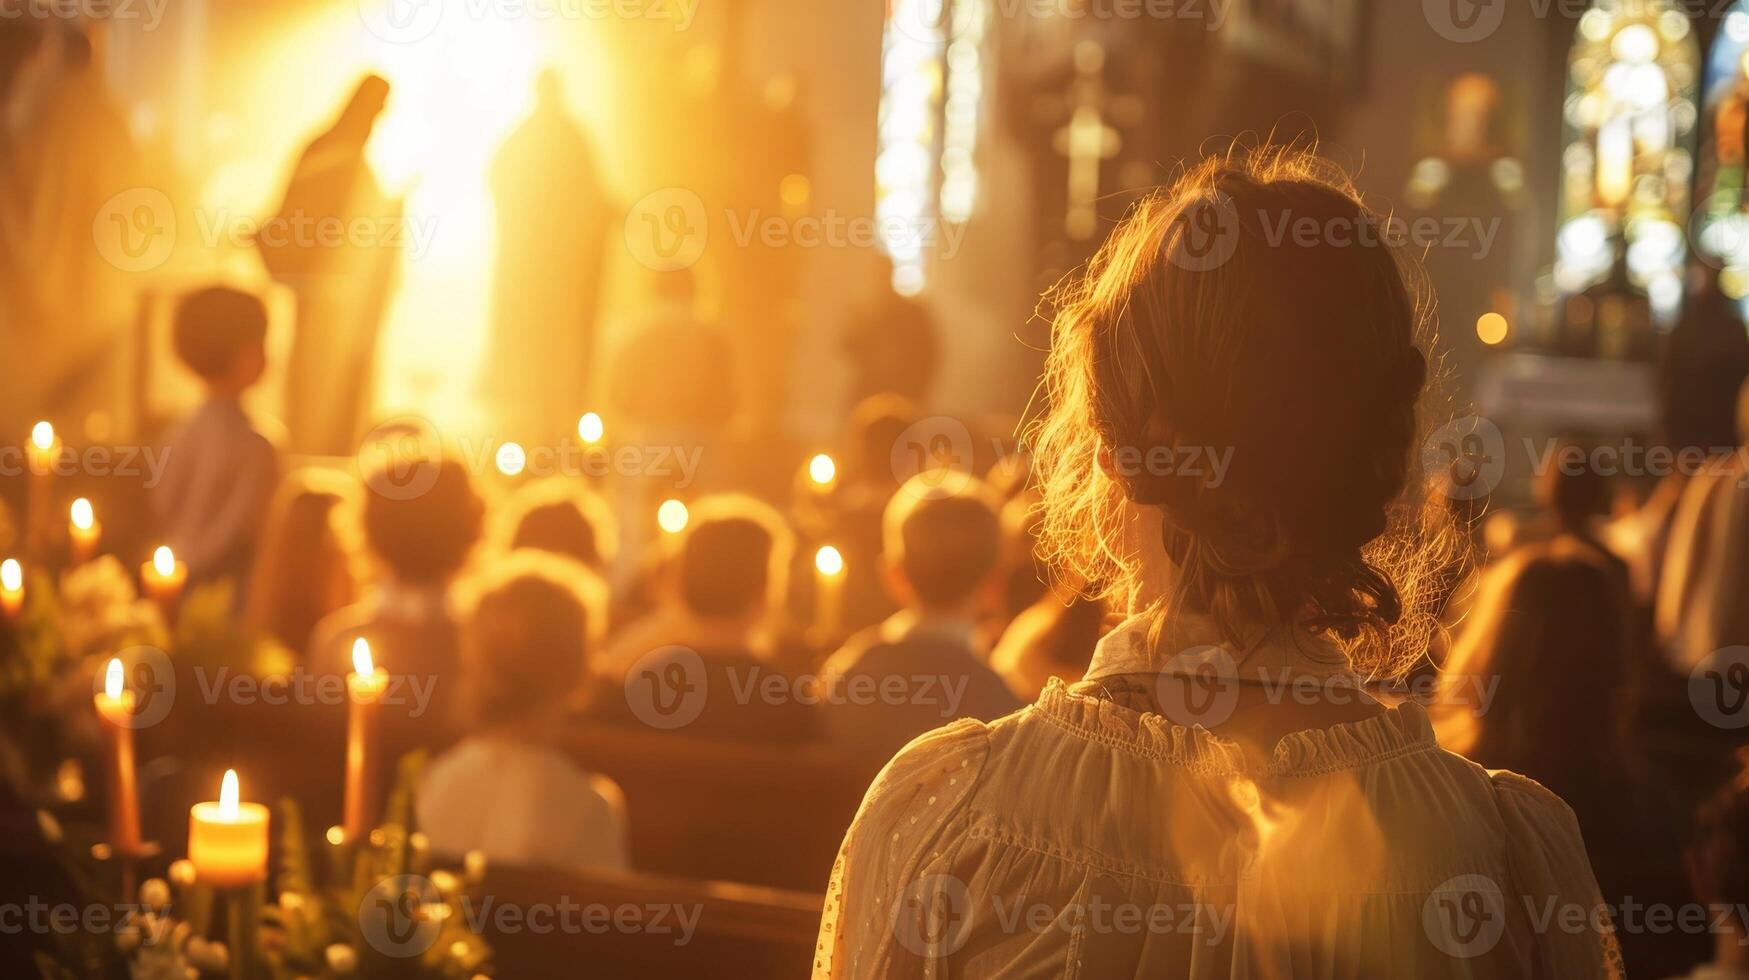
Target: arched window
(1627,170)
(932,90)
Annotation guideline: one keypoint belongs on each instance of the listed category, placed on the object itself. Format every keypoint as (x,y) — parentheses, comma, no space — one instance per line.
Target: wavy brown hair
(1213,318)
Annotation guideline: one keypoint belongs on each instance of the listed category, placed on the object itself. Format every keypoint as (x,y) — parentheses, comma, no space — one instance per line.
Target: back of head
(1252,313)
(424,538)
(301,570)
(732,558)
(1573,492)
(876,425)
(529,636)
(1546,652)
(559,517)
(943,532)
(216,326)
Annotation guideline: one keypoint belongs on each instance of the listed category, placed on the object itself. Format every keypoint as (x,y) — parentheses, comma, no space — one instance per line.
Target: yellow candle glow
(115,708)
(671,516)
(829,590)
(43,447)
(227,840)
(590,428)
(83,530)
(365,686)
(822,471)
(162,578)
(11,588)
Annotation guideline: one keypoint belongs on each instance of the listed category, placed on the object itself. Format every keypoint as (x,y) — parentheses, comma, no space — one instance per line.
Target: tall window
(932,90)
(1627,171)
(1721,223)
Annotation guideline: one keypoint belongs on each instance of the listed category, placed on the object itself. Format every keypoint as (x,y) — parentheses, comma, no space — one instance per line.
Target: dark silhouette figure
(553,215)
(342,282)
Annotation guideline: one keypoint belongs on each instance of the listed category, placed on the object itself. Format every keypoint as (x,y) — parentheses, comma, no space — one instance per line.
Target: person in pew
(924,666)
(1717,860)
(306,567)
(558,516)
(222,465)
(420,542)
(505,790)
(706,663)
(1219,796)
(1549,650)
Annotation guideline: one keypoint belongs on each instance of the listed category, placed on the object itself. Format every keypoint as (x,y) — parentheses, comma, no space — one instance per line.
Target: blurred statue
(342,281)
(553,215)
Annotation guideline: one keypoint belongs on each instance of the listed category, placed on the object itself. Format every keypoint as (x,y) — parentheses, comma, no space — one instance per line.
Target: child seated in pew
(222,465)
(505,790)
(706,662)
(926,664)
(420,543)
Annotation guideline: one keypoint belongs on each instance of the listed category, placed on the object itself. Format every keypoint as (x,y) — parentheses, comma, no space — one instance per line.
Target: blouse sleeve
(1552,873)
(904,813)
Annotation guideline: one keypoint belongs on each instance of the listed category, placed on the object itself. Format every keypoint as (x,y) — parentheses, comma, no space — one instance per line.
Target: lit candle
(40,452)
(822,472)
(365,686)
(11,588)
(590,428)
(829,592)
(162,578)
(83,530)
(227,840)
(115,707)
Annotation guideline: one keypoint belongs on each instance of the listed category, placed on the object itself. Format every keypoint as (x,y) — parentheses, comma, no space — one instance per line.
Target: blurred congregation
(651,548)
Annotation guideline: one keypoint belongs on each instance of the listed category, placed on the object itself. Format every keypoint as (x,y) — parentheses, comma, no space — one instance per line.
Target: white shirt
(522,804)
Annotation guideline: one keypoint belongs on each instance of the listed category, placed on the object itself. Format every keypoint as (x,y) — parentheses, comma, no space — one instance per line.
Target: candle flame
(83,516)
(590,428)
(229,795)
(828,561)
(163,561)
(112,679)
(361,661)
(42,436)
(11,575)
(671,516)
(822,470)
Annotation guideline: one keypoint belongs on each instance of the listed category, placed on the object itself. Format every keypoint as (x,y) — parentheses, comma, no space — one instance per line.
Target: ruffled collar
(1189,643)
(1399,730)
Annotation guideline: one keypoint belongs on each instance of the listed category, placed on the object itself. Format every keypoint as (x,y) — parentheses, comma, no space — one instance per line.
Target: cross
(1086,140)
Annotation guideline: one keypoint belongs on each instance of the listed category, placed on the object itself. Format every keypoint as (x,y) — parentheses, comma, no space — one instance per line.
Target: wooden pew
(763,814)
(738,930)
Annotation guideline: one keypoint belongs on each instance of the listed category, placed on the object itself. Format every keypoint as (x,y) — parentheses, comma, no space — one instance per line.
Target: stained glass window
(1627,170)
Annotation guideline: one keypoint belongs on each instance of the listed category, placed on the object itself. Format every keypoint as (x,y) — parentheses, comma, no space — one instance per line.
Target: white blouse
(1081,838)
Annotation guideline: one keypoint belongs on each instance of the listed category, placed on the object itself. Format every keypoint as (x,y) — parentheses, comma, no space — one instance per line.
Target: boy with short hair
(221,468)
(925,665)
